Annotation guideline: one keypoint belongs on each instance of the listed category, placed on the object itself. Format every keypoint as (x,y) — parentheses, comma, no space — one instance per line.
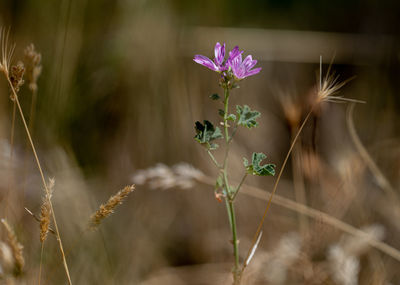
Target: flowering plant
(232,70)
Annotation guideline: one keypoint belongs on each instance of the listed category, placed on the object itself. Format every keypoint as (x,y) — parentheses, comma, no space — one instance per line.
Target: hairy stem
(43,179)
(229,200)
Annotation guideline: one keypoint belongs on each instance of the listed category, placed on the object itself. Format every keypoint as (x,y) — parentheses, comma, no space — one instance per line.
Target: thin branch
(239,186)
(213,159)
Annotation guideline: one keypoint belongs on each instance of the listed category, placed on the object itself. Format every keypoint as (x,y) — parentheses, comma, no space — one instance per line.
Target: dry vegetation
(99,102)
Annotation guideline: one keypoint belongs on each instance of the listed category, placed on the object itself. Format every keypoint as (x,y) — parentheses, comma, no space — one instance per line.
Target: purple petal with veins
(205,61)
(219,52)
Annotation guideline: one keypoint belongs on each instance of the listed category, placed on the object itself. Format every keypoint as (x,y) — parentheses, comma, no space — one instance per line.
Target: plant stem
(10,164)
(229,200)
(213,159)
(43,179)
(239,186)
(235,242)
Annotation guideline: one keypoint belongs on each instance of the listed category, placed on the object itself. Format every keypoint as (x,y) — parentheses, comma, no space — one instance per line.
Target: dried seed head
(182,175)
(6,258)
(107,209)
(33,66)
(330,85)
(45,212)
(16,247)
(7,52)
(17,76)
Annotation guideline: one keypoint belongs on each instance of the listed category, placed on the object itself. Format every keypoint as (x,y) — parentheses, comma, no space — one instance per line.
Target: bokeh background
(119,92)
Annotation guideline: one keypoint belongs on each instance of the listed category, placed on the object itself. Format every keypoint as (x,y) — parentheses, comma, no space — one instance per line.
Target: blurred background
(119,93)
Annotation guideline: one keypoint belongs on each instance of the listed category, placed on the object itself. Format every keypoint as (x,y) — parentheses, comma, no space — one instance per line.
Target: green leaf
(214,96)
(231,117)
(255,168)
(221,112)
(206,133)
(247,117)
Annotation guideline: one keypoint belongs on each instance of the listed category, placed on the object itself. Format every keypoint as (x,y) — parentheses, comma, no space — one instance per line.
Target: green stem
(235,242)
(229,200)
(225,164)
(239,186)
(213,159)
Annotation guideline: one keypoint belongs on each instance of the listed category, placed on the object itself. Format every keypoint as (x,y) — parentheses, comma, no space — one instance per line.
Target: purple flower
(218,63)
(233,65)
(243,69)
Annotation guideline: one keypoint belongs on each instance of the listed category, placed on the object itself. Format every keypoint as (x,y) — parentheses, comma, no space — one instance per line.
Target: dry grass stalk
(6,57)
(33,66)
(45,212)
(108,208)
(16,247)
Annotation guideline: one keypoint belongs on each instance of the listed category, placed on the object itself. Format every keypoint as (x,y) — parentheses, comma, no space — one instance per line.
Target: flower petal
(219,52)
(252,72)
(205,61)
(249,63)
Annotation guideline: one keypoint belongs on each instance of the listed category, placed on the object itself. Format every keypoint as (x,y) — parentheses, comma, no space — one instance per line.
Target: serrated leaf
(206,133)
(214,96)
(255,168)
(231,117)
(246,117)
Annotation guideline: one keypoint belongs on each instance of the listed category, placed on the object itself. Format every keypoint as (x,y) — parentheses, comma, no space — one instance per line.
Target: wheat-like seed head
(330,85)
(45,211)
(107,209)
(7,51)
(16,247)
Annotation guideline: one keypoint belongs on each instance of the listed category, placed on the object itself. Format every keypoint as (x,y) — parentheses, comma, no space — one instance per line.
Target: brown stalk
(42,177)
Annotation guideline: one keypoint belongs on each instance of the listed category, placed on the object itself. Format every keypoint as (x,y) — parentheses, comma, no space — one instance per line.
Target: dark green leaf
(221,112)
(206,133)
(214,96)
(247,117)
(255,168)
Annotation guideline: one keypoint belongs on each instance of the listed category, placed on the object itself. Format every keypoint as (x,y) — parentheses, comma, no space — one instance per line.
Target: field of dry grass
(109,96)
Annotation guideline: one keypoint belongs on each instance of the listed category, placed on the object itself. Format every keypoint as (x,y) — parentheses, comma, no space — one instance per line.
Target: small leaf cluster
(206,133)
(255,168)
